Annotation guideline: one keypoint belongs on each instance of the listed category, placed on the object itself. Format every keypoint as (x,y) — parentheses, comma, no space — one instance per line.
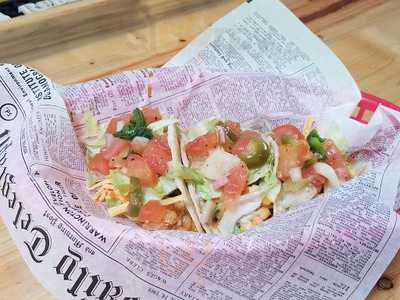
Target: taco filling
(239,178)
(128,162)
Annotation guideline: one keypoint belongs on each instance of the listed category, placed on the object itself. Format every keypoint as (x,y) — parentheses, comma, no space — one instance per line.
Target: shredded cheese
(118,210)
(107,191)
(308,125)
(99,184)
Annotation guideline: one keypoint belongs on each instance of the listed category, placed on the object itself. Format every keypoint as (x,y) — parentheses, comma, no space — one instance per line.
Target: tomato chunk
(316,179)
(136,166)
(152,212)
(151,114)
(202,145)
(162,140)
(336,160)
(99,164)
(116,147)
(292,156)
(240,146)
(113,125)
(287,132)
(236,183)
(157,154)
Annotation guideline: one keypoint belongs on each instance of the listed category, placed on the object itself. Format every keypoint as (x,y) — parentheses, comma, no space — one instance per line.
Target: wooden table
(363,33)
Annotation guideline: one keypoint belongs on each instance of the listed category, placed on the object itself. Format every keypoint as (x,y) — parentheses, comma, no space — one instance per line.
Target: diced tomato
(202,145)
(151,114)
(113,125)
(335,160)
(292,156)
(161,140)
(116,147)
(157,154)
(99,164)
(117,162)
(237,183)
(287,130)
(243,140)
(152,212)
(316,179)
(234,126)
(136,166)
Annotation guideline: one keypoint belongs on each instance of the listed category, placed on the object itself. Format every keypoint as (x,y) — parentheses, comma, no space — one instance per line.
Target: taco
(128,169)
(240,178)
(310,165)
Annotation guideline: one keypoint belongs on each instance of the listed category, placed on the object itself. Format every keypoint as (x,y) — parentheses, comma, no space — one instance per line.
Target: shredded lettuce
(177,170)
(150,194)
(206,190)
(94,145)
(91,125)
(270,185)
(165,186)
(202,128)
(258,173)
(94,138)
(265,170)
(121,182)
(202,185)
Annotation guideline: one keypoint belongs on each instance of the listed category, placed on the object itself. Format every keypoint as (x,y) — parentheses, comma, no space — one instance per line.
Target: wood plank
(84,18)
(151,44)
(369,47)
(151,41)
(393,273)
(16,280)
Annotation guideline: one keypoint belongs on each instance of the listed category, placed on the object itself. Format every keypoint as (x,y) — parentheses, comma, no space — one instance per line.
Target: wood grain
(75,46)
(85,18)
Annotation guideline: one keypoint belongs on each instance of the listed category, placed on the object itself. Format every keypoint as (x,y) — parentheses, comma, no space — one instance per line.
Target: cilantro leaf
(136,127)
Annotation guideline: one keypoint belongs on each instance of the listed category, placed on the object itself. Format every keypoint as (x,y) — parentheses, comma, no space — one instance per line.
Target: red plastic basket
(368,105)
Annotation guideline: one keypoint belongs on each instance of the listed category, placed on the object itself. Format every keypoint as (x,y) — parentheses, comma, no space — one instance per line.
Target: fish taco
(129,161)
(239,178)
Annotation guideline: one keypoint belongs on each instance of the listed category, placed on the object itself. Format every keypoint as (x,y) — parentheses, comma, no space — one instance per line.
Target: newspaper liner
(335,247)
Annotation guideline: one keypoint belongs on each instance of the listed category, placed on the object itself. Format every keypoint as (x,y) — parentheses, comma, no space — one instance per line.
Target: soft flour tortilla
(174,144)
(193,196)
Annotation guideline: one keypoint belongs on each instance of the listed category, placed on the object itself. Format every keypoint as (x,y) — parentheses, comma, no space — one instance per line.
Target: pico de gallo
(128,161)
(239,178)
